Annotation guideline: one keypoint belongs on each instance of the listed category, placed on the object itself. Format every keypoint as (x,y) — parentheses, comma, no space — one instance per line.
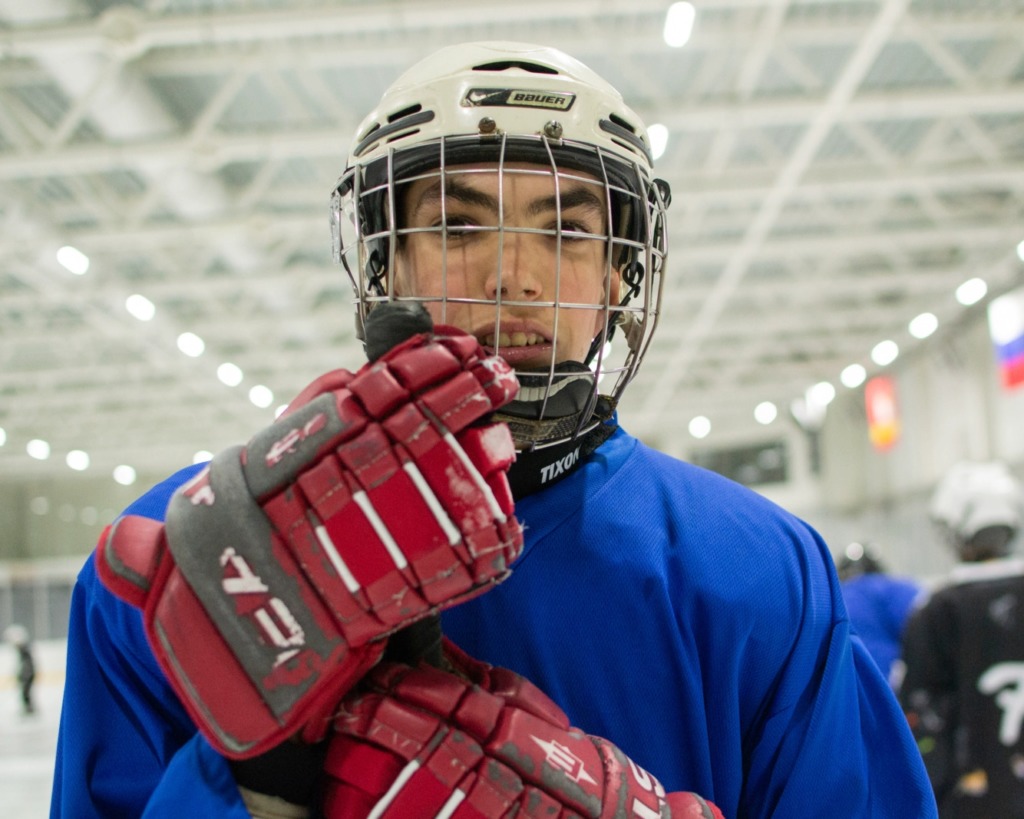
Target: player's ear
(614,297)
(615,287)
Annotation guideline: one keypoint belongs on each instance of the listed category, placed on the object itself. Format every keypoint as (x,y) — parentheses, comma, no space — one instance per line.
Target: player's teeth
(512,339)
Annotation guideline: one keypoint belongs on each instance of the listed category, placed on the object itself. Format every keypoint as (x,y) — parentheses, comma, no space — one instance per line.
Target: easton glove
(375,501)
(481,743)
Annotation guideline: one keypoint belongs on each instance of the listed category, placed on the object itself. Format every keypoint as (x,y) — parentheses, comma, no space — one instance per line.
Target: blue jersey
(702,629)
(879,605)
(680,615)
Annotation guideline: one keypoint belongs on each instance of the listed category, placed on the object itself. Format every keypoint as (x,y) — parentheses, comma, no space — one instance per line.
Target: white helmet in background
(16,635)
(980,507)
(505,103)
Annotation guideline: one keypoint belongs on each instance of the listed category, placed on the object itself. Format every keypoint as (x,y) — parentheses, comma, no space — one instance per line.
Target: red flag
(883,412)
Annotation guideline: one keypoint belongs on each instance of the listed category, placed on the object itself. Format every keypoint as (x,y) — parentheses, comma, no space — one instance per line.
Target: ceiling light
(679,24)
(230,374)
(191,344)
(1020,251)
(3,436)
(658,134)
(202,456)
(73,259)
(700,427)
(124,475)
(885,352)
(765,412)
(38,449)
(853,376)
(261,396)
(140,307)
(923,325)
(280,410)
(971,292)
(77,460)
(821,393)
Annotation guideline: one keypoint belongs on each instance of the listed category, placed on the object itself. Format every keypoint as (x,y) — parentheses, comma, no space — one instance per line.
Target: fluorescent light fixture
(658,134)
(923,325)
(885,352)
(1020,251)
(261,396)
(971,292)
(140,307)
(765,412)
(700,427)
(191,344)
(679,24)
(853,376)
(230,374)
(73,260)
(77,460)
(3,436)
(124,475)
(38,449)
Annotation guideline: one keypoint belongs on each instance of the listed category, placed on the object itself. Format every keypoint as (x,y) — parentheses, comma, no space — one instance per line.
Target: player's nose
(518,270)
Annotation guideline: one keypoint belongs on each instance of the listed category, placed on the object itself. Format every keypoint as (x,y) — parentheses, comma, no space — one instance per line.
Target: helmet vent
(622,123)
(400,124)
(625,136)
(505,65)
(412,109)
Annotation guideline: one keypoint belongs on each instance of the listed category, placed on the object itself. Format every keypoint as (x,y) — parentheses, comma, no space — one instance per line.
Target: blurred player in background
(878,603)
(508,190)
(963,690)
(17,636)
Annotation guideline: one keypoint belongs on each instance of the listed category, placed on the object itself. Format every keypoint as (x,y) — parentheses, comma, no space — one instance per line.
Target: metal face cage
(479,176)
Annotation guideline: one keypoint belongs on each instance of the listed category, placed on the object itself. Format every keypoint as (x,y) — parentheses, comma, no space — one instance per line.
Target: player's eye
(454,227)
(574,231)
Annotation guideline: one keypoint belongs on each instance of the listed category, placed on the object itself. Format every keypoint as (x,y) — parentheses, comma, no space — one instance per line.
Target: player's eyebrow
(457,190)
(580,196)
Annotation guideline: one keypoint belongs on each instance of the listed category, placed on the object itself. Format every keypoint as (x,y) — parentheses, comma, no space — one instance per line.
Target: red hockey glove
(372,503)
(485,743)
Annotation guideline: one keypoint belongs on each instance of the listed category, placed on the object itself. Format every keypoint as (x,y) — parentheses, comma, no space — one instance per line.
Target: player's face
(526,268)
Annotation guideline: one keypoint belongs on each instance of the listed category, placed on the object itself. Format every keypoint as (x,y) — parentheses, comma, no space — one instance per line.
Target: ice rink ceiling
(838,169)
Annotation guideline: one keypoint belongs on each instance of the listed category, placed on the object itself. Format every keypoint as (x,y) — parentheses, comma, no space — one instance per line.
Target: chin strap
(537,469)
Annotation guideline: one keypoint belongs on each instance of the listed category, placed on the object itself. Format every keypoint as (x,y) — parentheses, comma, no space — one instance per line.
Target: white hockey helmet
(16,634)
(976,497)
(502,103)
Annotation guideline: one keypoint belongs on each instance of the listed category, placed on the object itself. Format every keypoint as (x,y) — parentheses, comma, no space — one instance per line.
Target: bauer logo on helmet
(518,97)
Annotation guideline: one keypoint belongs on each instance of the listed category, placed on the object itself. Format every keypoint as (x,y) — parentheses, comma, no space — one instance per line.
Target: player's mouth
(513,340)
(519,347)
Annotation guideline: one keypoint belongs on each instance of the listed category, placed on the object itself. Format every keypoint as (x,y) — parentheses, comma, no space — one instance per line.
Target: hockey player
(17,636)
(509,190)
(878,603)
(963,690)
